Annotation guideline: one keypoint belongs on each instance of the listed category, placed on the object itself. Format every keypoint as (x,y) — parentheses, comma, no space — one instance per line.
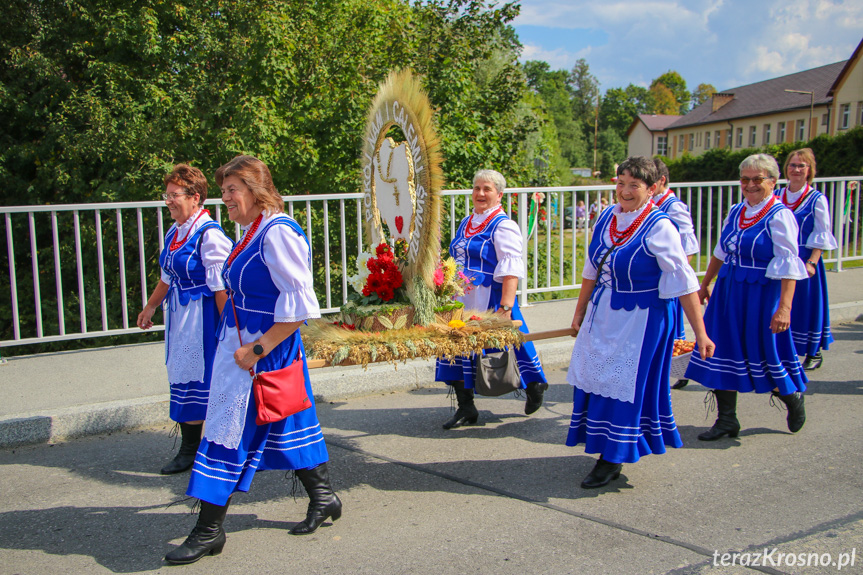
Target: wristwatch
(258,349)
(506,308)
(812,263)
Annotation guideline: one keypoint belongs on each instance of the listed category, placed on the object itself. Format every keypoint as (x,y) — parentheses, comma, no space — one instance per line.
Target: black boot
(535,390)
(466,412)
(726,422)
(813,362)
(323,502)
(188,448)
(680,384)
(207,538)
(796,412)
(601,474)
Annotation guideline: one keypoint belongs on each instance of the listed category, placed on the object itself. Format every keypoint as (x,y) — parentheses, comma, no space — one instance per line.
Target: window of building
(752,131)
(716,136)
(739,137)
(706,140)
(691,142)
(801,130)
(680,142)
(765,136)
(825,119)
(662,145)
(728,138)
(844,116)
(860,113)
(780,128)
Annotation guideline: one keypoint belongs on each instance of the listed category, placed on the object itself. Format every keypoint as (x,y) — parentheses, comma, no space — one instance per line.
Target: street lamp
(811,106)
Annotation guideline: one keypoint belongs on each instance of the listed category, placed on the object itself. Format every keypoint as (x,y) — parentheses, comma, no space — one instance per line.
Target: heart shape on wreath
(400,222)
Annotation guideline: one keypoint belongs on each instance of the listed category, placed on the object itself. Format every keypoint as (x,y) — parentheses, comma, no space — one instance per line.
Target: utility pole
(595,130)
(811,106)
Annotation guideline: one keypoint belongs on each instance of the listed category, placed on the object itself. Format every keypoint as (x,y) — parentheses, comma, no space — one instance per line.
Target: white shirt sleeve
(785,263)
(507,246)
(287,255)
(679,214)
(215,249)
(677,277)
(718,252)
(821,237)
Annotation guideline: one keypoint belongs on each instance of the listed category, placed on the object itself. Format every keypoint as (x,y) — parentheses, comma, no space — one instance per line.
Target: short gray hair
(762,163)
(493,176)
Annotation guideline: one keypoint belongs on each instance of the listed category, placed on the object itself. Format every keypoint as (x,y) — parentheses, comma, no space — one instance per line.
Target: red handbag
(279,393)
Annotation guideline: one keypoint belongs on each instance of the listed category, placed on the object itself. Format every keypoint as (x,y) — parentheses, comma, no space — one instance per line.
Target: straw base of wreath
(398,318)
(447,316)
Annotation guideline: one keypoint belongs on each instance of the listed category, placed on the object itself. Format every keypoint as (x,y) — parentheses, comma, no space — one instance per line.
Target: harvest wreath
(340,343)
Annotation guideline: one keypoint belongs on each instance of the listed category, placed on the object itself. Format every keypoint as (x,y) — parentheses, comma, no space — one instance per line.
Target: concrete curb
(330,384)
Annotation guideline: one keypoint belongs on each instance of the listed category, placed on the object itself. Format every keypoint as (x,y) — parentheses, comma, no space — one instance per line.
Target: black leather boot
(601,474)
(680,384)
(813,362)
(726,422)
(207,538)
(796,411)
(466,412)
(323,502)
(191,439)
(535,390)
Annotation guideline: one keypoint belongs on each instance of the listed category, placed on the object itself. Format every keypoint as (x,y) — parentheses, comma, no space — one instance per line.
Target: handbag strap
(237,323)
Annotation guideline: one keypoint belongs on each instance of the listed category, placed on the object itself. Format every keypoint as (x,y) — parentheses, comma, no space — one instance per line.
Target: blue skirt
(810,314)
(748,356)
(679,327)
(463,369)
(189,399)
(623,432)
(293,443)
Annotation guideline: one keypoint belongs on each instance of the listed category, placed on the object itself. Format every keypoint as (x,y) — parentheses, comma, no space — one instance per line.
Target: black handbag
(496,373)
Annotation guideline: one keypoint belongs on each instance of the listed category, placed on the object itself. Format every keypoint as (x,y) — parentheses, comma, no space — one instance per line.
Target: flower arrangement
(450,282)
(379,277)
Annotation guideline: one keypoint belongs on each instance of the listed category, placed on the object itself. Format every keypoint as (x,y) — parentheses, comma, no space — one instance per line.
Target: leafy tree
(620,106)
(585,90)
(612,151)
(663,100)
(702,93)
(675,82)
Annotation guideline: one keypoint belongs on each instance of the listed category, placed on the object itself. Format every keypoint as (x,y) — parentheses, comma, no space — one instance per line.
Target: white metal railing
(84,249)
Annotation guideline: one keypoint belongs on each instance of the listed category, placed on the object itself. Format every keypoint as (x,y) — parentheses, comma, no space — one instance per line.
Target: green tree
(620,106)
(612,150)
(584,88)
(675,82)
(663,100)
(702,93)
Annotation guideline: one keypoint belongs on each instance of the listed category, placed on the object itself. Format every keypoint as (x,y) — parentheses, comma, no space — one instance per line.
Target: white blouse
(783,231)
(821,237)
(215,249)
(680,215)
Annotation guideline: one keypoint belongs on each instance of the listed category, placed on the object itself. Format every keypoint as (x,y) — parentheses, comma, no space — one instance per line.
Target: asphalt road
(497,498)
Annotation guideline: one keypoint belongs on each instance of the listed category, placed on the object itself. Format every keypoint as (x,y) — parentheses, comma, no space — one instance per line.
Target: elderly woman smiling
(749,311)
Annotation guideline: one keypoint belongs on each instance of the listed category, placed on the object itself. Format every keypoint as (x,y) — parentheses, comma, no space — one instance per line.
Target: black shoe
(323,502)
(188,449)
(726,422)
(466,412)
(680,384)
(534,392)
(207,538)
(796,410)
(601,474)
(813,362)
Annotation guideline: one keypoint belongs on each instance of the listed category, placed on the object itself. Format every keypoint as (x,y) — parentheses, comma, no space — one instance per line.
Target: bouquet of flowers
(379,277)
(450,281)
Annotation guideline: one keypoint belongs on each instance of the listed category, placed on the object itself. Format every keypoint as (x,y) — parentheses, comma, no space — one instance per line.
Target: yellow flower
(448,269)
(456,323)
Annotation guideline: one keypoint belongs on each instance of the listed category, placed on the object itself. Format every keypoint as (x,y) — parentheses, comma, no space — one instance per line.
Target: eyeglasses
(798,166)
(757,180)
(173,197)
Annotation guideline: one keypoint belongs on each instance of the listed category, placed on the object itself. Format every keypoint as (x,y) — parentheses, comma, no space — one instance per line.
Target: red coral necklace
(749,222)
(620,238)
(471,230)
(663,198)
(250,233)
(175,245)
(799,201)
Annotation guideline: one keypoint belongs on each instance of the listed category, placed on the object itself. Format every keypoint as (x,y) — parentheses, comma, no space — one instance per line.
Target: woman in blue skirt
(624,318)
(678,211)
(810,313)
(268,275)
(488,246)
(193,294)
(749,311)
